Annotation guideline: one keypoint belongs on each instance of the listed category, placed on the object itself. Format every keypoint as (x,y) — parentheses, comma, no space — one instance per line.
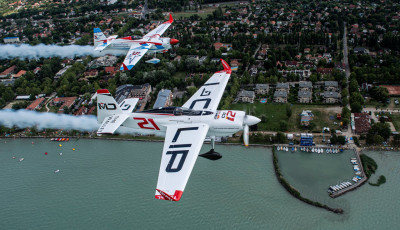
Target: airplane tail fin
(99,37)
(106,105)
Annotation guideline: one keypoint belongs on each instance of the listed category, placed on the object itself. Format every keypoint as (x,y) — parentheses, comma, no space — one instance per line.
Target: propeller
(247,121)
(246,135)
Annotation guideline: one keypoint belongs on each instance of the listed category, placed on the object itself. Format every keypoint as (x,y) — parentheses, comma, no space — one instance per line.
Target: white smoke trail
(23,51)
(25,118)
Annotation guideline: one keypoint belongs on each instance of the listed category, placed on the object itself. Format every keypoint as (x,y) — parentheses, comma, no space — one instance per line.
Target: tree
(379,93)
(280,137)
(378,129)
(356,107)
(345,121)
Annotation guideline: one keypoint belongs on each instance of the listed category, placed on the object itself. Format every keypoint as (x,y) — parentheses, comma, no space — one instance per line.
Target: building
(62,71)
(36,104)
(11,40)
(282,86)
(304,96)
(164,99)
(261,89)
(361,50)
(394,90)
(331,97)
(305,86)
(8,72)
(306,117)
(324,71)
(19,74)
(280,96)
(331,86)
(63,102)
(246,96)
(362,123)
(134,91)
(306,139)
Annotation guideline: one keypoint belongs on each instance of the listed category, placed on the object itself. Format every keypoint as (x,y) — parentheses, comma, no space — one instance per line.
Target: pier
(358,183)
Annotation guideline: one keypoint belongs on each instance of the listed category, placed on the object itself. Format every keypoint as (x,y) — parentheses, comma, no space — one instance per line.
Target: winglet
(124,67)
(227,68)
(164,196)
(170,19)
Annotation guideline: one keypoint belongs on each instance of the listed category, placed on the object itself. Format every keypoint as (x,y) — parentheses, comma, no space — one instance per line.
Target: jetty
(358,183)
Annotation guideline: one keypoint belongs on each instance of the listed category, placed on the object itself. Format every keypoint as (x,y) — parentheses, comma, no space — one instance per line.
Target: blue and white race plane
(150,43)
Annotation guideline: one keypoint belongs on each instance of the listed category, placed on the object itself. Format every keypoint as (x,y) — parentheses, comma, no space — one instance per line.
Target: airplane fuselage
(159,45)
(221,123)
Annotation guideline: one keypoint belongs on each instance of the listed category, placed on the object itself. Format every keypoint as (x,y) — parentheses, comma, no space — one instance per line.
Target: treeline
(365,68)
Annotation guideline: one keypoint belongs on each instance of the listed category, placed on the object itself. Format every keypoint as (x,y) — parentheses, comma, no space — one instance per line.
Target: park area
(274,117)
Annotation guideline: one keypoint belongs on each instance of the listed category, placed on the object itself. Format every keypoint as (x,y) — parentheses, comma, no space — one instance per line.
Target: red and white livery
(150,43)
(184,128)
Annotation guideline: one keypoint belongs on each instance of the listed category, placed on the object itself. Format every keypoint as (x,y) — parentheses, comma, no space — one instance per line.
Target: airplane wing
(106,43)
(181,148)
(112,123)
(157,32)
(101,46)
(135,53)
(209,95)
(128,105)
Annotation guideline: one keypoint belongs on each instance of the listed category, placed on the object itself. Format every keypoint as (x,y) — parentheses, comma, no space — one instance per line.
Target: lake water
(111,185)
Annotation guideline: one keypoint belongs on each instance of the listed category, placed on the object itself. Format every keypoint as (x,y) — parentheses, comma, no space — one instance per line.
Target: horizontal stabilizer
(128,105)
(112,123)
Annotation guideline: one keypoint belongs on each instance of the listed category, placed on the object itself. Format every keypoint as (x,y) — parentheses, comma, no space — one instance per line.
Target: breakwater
(294,192)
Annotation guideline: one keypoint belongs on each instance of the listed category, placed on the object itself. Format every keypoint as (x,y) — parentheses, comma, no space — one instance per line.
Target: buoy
(60,154)
(60,145)
(73,149)
(33,142)
(45,153)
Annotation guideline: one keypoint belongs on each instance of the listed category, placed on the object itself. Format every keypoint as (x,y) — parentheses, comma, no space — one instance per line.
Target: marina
(342,187)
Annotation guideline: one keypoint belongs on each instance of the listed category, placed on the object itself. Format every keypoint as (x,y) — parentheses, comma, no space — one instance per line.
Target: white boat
(358,173)
(286,149)
(295,149)
(60,154)
(312,150)
(355,179)
(277,148)
(56,171)
(21,159)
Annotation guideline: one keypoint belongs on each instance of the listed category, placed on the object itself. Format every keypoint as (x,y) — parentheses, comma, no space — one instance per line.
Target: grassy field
(396,121)
(275,114)
(203,13)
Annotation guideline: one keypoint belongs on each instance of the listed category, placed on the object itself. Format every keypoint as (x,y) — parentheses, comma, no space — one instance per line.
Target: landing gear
(212,155)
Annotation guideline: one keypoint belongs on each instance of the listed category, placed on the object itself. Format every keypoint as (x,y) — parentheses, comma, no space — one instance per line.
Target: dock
(358,183)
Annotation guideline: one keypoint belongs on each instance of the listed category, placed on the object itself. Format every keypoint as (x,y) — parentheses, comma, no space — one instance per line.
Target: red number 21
(145,122)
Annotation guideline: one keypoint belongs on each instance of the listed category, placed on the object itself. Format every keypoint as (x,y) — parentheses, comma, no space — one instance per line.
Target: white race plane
(151,43)
(184,128)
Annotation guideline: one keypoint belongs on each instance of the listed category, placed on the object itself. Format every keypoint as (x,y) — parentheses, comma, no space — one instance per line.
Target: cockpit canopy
(178,111)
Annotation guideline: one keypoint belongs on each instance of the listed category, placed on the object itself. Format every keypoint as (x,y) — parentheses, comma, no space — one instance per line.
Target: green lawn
(275,114)
(180,74)
(396,121)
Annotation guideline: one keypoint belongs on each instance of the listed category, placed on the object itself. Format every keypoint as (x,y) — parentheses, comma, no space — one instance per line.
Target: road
(347,72)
